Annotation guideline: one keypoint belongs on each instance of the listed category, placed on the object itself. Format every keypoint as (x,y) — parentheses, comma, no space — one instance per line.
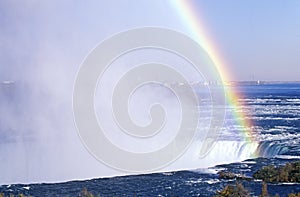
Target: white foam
(167,173)
(212,181)
(190,182)
(288,156)
(221,152)
(249,162)
(283,136)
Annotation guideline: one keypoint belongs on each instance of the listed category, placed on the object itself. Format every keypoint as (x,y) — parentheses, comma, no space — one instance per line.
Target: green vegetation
(290,172)
(264,190)
(237,190)
(86,193)
(294,195)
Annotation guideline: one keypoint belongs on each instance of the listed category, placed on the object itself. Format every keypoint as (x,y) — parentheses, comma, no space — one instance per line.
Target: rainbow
(196,26)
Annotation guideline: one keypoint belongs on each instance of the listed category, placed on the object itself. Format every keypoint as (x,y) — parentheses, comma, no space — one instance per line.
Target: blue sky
(259,39)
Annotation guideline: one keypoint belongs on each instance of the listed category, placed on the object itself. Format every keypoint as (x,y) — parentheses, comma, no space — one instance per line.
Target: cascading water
(30,154)
(271,149)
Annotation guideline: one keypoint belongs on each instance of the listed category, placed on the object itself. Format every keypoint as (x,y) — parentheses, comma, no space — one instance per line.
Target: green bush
(290,172)
(237,190)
